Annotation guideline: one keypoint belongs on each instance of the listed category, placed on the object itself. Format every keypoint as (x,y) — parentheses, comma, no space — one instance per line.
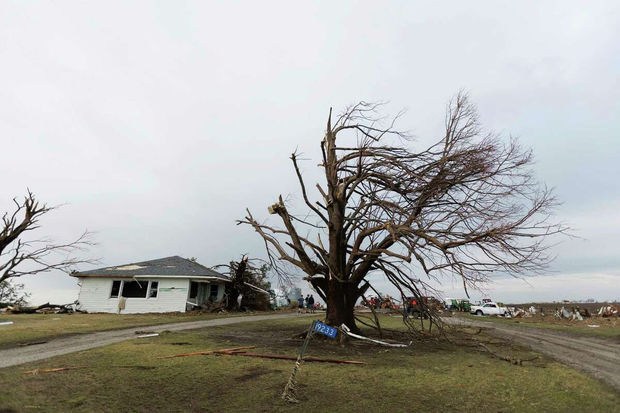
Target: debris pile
(608,311)
(242,351)
(46,308)
(563,313)
(517,312)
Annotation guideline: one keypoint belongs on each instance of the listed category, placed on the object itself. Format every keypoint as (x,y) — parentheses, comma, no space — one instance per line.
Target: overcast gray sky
(158,123)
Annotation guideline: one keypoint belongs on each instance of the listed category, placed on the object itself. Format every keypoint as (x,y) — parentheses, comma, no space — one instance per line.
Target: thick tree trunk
(341,300)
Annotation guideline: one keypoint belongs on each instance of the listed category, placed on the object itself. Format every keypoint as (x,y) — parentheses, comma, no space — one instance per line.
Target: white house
(156,286)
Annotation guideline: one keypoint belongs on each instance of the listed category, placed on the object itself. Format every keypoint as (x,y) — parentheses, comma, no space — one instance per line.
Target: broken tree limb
(201,353)
(287,357)
(514,361)
(57,308)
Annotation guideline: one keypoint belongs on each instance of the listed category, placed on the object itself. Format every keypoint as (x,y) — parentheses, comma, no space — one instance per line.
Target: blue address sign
(324,329)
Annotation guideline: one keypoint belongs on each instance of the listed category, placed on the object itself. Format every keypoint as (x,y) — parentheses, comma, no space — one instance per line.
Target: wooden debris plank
(201,353)
(287,357)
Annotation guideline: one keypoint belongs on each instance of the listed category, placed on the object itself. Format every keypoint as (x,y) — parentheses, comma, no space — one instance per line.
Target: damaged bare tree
(248,278)
(467,206)
(21,256)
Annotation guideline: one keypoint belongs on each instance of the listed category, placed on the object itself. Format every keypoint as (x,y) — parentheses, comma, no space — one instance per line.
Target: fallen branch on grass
(514,361)
(202,353)
(47,307)
(287,357)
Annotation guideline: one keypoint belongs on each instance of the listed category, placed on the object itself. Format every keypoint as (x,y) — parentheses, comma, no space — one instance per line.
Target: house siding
(94,297)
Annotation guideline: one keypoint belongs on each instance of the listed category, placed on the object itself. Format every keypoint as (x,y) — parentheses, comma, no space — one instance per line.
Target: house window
(135,289)
(213,292)
(193,289)
(153,289)
(116,286)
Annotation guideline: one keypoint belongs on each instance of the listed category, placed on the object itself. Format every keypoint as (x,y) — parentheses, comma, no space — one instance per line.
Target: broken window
(153,289)
(193,289)
(116,286)
(135,289)
(213,292)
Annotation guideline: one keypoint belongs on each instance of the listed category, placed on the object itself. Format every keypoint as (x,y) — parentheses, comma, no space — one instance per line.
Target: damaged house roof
(163,267)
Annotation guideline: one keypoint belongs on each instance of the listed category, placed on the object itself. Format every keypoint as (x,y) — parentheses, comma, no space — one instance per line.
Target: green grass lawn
(36,327)
(609,327)
(427,377)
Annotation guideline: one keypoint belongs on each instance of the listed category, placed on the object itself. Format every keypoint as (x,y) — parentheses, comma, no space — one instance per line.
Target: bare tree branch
(20,256)
(467,206)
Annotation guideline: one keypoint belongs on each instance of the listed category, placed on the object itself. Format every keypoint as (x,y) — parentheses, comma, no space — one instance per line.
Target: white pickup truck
(488,309)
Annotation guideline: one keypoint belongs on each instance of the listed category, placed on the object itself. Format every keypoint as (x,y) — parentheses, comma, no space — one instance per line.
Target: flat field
(429,376)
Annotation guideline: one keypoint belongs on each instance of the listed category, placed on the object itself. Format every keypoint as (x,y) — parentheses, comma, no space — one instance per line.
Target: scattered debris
(202,353)
(574,314)
(287,357)
(143,332)
(593,325)
(46,308)
(608,311)
(348,332)
(6,323)
(148,335)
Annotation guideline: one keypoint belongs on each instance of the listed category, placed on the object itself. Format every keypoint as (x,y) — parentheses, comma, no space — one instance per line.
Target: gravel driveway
(59,346)
(596,356)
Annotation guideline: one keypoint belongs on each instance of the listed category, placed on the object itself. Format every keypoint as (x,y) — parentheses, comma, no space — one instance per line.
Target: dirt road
(59,346)
(596,356)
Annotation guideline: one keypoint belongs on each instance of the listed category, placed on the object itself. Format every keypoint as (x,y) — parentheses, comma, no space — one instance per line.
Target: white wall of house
(172,294)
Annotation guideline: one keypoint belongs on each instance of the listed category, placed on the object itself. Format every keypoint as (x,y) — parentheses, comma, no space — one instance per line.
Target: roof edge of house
(191,277)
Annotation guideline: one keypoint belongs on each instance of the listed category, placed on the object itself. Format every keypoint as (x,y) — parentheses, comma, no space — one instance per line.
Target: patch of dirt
(254,372)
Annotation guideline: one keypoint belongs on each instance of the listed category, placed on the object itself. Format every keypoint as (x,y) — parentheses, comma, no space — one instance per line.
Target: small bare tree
(20,256)
(467,206)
